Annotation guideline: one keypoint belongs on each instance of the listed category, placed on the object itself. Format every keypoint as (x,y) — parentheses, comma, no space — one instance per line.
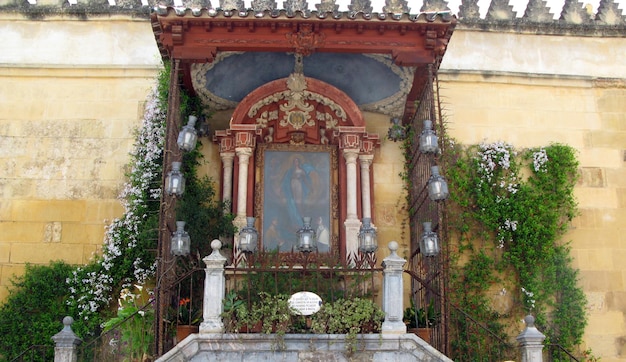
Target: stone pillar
(366,199)
(392,292)
(227,179)
(352,223)
(214,291)
(243,153)
(351,155)
(531,341)
(66,343)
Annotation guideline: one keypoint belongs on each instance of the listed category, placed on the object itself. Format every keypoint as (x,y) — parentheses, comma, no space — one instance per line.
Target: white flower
(540,159)
(93,291)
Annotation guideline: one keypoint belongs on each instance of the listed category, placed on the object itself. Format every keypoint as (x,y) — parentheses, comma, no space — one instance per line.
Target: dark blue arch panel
(363,78)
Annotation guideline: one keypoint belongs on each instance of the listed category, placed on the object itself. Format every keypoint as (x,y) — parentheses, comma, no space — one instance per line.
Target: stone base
(302,347)
(212,326)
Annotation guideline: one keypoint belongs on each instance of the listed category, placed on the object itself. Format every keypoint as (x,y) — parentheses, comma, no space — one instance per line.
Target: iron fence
(325,274)
(36,353)
(554,352)
(131,339)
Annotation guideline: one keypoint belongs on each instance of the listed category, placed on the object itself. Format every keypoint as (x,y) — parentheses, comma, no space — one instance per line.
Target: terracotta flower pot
(182,331)
(423,333)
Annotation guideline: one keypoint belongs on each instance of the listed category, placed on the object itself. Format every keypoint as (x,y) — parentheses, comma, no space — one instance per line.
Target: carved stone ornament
(327,6)
(609,13)
(232,5)
(395,7)
(128,4)
(297,110)
(291,6)
(434,6)
(500,10)
(360,6)
(574,12)
(197,5)
(537,11)
(260,6)
(469,9)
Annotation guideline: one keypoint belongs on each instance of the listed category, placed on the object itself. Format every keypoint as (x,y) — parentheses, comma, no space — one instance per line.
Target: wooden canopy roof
(197,36)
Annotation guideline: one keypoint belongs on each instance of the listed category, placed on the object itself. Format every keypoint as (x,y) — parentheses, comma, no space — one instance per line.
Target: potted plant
(274,313)
(420,320)
(349,317)
(188,319)
(236,315)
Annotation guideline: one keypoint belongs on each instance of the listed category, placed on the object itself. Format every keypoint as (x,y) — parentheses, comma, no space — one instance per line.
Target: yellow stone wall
(68,109)
(587,111)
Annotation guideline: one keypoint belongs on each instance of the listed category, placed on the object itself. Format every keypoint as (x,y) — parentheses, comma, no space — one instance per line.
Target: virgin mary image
(299,184)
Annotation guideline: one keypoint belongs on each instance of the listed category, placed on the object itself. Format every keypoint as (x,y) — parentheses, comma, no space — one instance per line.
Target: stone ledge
(302,347)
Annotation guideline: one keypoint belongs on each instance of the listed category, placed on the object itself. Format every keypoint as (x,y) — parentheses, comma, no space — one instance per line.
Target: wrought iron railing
(554,352)
(471,340)
(131,339)
(325,274)
(35,353)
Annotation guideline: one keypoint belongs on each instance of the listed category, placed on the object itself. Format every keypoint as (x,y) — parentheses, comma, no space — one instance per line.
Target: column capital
(366,159)
(350,154)
(227,157)
(244,153)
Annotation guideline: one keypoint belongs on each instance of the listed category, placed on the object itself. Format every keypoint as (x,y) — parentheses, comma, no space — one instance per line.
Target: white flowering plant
(125,257)
(508,211)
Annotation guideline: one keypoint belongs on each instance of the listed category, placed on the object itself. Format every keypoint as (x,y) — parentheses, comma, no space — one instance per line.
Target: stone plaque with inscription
(305,303)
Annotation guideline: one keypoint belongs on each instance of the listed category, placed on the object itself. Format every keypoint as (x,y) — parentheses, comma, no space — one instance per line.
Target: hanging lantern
(397,132)
(306,237)
(437,185)
(429,243)
(428,139)
(188,136)
(175,181)
(181,242)
(248,237)
(367,237)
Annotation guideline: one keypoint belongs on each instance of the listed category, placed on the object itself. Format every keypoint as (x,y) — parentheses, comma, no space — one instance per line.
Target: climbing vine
(127,255)
(507,215)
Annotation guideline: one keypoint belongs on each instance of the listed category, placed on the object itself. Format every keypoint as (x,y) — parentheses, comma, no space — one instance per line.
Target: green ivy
(34,309)
(507,215)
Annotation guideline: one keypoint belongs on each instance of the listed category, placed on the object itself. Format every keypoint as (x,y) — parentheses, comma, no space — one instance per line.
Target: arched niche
(305,125)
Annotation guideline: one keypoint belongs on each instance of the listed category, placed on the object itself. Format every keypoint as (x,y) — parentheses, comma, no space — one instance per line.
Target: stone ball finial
(67,321)
(393,246)
(529,320)
(216,245)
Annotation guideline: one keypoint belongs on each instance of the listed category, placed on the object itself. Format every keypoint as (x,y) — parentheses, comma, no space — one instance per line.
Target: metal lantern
(396,132)
(437,185)
(428,139)
(248,237)
(429,243)
(188,136)
(175,181)
(367,237)
(307,241)
(181,242)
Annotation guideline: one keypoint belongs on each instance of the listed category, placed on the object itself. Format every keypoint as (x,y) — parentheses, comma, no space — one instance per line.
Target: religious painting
(297,183)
